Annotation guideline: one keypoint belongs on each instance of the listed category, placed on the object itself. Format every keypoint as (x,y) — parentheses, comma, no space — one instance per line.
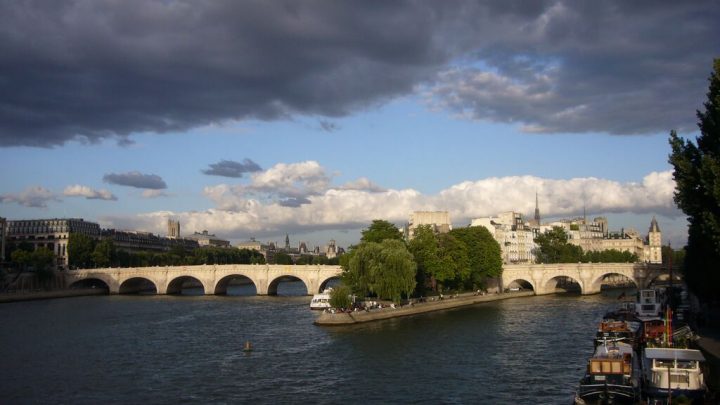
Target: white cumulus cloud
(35,197)
(89,193)
(300,198)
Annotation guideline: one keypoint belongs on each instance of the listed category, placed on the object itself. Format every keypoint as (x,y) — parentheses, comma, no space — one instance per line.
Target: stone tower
(654,242)
(173,229)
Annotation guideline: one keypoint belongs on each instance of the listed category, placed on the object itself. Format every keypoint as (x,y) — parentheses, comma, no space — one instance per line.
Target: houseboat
(669,373)
(612,376)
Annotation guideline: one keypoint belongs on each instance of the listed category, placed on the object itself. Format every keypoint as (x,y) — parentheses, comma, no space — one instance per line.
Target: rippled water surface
(172,349)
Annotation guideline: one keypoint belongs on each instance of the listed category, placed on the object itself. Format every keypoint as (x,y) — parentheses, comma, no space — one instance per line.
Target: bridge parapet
(544,277)
(168,279)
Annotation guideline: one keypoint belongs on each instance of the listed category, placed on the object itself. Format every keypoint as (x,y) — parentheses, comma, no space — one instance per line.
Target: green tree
(304,259)
(697,192)
(283,258)
(380,230)
(384,269)
(554,248)
(454,261)
(42,260)
(80,248)
(424,248)
(677,257)
(394,275)
(21,258)
(484,255)
(360,266)
(104,253)
(340,297)
(609,256)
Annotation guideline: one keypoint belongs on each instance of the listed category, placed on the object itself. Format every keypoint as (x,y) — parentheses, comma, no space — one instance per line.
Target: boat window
(664,363)
(680,378)
(606,368)
(616,367)
(595,367)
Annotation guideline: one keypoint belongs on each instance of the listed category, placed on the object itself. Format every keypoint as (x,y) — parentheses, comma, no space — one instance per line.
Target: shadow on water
(522,350)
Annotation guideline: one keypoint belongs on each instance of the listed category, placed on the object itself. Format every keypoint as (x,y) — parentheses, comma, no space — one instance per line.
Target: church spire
(537,210)
(287,242)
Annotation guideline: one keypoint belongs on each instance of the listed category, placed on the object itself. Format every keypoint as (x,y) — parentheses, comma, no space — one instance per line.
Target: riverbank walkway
(328,318)
(44,295)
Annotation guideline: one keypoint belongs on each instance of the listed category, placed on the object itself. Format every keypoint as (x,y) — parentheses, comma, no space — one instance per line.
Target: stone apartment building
(439,221)
(52,234)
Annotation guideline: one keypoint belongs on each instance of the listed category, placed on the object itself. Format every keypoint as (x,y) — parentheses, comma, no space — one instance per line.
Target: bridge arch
(176,285)
(136,285)
(663,278)
(90,282)
(334,280)
(521,284)
(599,281)
(221,286)
(273,285)
(564,282)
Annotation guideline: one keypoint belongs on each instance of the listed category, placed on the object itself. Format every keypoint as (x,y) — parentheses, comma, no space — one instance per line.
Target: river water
(176,349)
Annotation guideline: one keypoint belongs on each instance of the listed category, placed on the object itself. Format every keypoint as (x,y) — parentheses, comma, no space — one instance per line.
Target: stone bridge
(214,279)
(543,278)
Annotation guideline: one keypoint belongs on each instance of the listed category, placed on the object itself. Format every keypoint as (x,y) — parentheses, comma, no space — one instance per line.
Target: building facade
(594,236)
(439,221)
(138,241)
(52,234)
(515,237)
(173,229)
(205,239)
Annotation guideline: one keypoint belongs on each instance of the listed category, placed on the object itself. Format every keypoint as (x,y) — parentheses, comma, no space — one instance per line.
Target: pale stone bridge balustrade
(543,278)
(213,278)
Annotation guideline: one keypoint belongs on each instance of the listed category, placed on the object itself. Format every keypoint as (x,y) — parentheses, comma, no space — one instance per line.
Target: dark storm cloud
(136,179)
(90,70)
(230,168)
(619,68)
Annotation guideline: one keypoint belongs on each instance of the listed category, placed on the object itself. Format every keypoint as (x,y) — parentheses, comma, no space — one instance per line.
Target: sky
(312,118)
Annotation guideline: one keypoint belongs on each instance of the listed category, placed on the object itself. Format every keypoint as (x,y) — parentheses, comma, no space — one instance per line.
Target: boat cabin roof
(662,353)
(615,348)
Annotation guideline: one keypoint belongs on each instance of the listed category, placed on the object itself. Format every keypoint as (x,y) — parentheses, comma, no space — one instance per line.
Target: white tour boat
(322,300)
(649,305)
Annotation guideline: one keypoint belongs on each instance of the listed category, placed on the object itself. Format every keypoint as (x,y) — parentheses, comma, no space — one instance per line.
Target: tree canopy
(80,249)
(442,260)
(85,252)
(385,269)
(553,247)
(340,297)
(380,230)
(697,192)
(484,254)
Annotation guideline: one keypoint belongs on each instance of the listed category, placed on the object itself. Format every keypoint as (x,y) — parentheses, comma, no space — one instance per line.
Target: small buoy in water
(248,346)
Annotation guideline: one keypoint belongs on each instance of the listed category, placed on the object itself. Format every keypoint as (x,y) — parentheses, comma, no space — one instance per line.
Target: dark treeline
(553,247)
(85,252)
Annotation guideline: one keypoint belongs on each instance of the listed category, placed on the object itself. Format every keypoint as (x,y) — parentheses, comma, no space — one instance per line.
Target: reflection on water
(170,349)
